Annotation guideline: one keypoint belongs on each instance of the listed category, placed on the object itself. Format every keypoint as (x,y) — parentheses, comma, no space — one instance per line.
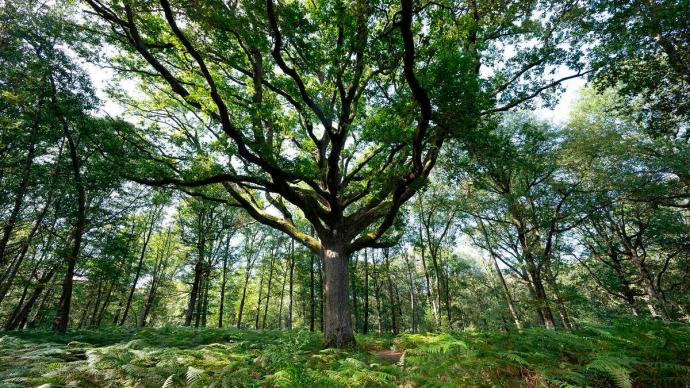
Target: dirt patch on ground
(391,356)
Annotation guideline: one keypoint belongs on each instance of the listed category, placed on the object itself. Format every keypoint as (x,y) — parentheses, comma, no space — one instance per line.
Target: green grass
(624,355)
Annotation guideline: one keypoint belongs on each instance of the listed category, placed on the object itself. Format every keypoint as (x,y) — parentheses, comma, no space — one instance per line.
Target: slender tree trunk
(506,293)
(22,316)
(282,296)
(353,281)
(97,304)
(147,238)
(365,328)
(14,268)
(223,281)
(410,281)
(207,285)
(312,305)
(292,267)
(62,316)
(448,300)
(18,307)
(377,295)
(194,294)
(391,300)
(258,302)
(337,319)
(21,189)
(540,294)
(244,292)
(85,312)
(268,294)
(106,303)
(560,305)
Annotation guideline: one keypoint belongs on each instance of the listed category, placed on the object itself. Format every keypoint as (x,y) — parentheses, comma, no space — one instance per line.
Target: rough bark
(337,326)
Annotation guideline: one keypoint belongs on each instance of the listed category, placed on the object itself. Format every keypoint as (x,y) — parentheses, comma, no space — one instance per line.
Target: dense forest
(345,193)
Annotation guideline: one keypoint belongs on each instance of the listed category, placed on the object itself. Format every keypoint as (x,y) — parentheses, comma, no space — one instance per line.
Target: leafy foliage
(642,354)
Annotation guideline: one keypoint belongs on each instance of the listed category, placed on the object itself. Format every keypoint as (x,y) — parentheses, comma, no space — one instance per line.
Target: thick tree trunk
(337,319)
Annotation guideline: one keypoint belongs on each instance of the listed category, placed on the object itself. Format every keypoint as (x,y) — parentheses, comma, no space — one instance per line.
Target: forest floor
(640,354)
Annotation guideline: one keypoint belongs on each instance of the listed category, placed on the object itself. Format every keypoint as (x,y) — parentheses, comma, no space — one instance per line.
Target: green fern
(613,367)
(193,375)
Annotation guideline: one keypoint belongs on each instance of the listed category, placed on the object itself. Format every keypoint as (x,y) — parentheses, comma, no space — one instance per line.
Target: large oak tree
(326,111)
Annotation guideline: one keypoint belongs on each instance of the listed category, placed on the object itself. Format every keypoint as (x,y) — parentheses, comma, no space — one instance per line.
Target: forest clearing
(355,193)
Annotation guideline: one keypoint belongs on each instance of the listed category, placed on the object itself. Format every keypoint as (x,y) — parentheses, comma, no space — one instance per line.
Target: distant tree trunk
(18,307)
(312,317)
(223,281)
(22,316)
(40,310)
(14,267)
(560,305)
(98,303)
(292,267)
(207,285)
(62,316)
(391,300)
(410,280)
(282,296)
(501,279)
(258,301)
(85,311)
(21,189)
(106,303)
(353,281)
(247,272)
(147,238)
(448,300)
(377,295)
(429,289)
(194,294)
(656,303)
(506,293)
(540,294)
(268,293)
(365,328)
